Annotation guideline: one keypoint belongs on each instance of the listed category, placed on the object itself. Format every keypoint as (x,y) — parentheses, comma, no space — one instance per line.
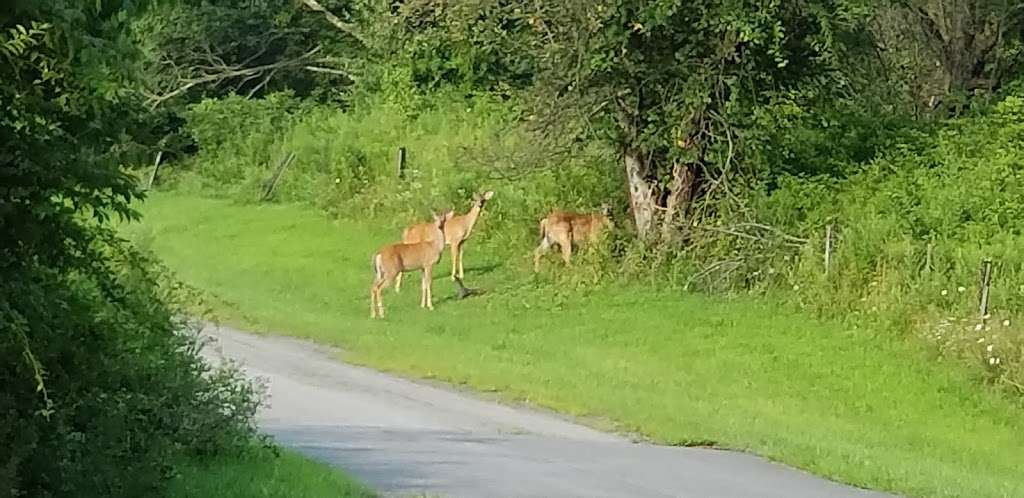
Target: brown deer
(566,228)
(393,260)
(456,231)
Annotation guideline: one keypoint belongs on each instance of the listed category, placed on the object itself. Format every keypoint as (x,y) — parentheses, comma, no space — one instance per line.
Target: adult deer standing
(566,228)
(456,231)
(393,260)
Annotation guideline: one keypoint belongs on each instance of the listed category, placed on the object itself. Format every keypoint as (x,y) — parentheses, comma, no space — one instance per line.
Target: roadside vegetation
(105,393)
(263,475)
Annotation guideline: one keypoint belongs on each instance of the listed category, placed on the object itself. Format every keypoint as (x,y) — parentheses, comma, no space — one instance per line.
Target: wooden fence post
(272,184)
(928,265)
(156,167)
(828,247)
(986,281)
(401,162)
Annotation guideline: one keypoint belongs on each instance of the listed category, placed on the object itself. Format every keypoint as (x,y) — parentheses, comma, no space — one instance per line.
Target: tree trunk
(677,204)
(641,194)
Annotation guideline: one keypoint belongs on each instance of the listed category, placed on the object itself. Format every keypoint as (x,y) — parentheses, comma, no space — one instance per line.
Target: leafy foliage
(103,384)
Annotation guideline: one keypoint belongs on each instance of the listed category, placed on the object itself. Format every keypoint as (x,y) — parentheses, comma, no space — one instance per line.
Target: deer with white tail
(392,260)
(456,231)
(565,228)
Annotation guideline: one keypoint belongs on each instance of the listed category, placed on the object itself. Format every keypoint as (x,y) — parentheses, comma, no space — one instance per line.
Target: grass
(261,475)
(851,405)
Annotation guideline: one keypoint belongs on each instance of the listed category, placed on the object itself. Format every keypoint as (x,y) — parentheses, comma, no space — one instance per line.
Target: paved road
(403,437)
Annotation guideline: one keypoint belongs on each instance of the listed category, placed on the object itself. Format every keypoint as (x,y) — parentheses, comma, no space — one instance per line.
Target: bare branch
(328,70)
(728,265)
(736,232)
(263,83)
(351,29)
(228,72)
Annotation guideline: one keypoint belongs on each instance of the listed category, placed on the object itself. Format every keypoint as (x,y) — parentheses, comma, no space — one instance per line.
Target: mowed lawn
(681,369)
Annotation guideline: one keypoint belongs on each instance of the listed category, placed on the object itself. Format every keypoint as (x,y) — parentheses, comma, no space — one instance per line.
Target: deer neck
(471,216)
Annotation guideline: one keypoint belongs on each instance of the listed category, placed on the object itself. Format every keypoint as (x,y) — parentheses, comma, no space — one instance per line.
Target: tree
(209,48)
(103,387)
(948,50)
(677,85)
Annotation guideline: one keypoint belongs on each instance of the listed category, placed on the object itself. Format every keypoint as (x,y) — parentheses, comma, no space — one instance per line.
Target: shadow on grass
(475,270)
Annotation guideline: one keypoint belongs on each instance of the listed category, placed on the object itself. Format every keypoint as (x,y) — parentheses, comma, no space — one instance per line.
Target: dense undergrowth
(910,228)
(104,389)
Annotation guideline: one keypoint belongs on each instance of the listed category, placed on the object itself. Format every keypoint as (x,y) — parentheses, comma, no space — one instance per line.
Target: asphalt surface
(403,438)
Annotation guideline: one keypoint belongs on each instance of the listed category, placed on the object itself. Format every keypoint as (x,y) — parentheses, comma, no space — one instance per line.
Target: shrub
(119,388)
(102,383)
(911,230)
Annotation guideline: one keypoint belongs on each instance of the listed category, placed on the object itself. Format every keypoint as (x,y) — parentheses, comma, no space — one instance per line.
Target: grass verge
(262,475)
(847,404)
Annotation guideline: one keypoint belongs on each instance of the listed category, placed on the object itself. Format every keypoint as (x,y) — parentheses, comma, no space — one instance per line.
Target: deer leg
(428,274)
(398,282)
(539,252)
(376,303)
(373,300)
(566,246)
(462,270)
(454,247)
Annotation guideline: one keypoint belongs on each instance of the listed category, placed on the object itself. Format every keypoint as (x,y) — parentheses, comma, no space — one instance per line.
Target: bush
(103,386)
(911,230)
(119,388)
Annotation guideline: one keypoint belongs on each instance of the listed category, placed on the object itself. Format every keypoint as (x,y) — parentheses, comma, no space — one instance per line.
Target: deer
(456,231)
(394,259)
(566,228)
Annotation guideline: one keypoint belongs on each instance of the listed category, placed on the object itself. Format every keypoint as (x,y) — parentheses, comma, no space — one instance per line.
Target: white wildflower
(981,340)
(796,287)
(991,361)
(986,317)
(337,180)
(944,292)
(978,327)
(961,288)
(1006,323)
(990,347)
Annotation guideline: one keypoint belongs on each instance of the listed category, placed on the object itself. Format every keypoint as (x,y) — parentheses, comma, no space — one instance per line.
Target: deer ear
(487,195)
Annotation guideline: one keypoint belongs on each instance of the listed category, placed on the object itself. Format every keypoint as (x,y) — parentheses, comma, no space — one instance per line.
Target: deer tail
(543,228)
(377,270)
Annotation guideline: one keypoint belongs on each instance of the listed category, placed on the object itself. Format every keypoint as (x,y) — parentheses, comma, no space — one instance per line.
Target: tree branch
(228,72)
(351,29)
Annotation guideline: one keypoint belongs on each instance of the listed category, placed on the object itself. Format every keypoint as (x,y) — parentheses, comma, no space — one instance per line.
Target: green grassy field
(260,475)
(847,404)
